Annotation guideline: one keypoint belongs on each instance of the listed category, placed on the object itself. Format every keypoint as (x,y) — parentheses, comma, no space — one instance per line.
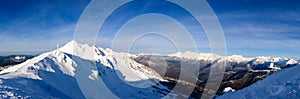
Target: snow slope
(284,84)
(82,71)
(58,74)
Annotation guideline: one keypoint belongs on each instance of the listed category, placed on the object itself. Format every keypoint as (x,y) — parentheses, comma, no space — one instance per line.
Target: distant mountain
(6,61)
(240,72)
(284,84)
(82,71)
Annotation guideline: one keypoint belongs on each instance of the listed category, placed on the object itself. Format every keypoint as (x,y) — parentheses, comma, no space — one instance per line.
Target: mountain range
(82,71)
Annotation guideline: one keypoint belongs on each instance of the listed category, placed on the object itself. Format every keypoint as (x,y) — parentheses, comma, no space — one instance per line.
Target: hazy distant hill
(13,59)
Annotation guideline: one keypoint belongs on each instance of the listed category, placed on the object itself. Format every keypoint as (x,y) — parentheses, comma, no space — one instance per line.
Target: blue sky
(35,26)
(260,27)
(251,27)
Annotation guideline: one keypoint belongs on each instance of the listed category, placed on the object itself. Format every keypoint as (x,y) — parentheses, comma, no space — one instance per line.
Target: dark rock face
(237,75)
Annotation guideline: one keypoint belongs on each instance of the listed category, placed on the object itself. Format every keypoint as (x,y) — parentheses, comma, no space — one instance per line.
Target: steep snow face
(29,69)
(133,71)
(281,84)
(55,74)
(83,51)
(47,75)
(130,70)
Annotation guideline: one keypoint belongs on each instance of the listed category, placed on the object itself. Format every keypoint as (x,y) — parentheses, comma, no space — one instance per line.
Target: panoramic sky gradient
(251,27)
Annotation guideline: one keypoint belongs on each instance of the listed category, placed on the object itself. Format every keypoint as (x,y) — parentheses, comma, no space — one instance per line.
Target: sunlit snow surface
(82,71)
(52,74)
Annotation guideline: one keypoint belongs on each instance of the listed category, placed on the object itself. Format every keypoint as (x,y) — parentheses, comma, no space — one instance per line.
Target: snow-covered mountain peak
(237,58)
(55,74)
(59,70)
(195,56)
(83,51)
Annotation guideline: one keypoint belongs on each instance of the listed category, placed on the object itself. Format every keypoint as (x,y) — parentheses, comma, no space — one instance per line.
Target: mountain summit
(81,71)
(75,71)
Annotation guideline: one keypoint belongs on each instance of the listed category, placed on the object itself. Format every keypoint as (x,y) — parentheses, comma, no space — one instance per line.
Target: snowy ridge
(281,84)
(235,58)
(56,74)
(53,74)
(196,56)
(41,76)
